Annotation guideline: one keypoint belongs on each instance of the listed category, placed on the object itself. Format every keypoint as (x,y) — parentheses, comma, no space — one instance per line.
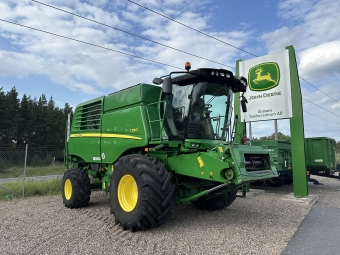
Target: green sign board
(274,93)
(264,76)
(269,92)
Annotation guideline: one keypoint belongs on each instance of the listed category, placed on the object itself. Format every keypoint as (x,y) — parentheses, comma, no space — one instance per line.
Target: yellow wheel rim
(127,193)
(68,189)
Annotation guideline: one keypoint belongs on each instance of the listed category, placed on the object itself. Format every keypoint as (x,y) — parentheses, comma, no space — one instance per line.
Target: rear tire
(76,188)
(216,203)
(257,183)
(276,182)
(141,192)
(288,181)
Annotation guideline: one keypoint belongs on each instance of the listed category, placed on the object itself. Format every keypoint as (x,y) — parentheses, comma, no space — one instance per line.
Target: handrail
(159,119)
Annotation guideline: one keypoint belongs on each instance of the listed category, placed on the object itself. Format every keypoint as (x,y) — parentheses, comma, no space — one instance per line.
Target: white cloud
(312,27)
(89,69)
(317,23)
(280,38)
(295,9)
(320,61)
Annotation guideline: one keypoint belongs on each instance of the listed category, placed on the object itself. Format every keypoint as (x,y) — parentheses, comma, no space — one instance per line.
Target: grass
(32,188)
(15,172)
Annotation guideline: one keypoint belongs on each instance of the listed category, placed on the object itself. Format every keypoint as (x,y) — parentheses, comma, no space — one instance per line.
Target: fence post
(23,181)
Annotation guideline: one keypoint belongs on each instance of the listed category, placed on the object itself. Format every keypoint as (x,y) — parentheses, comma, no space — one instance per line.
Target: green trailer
(150,148)
(320,156)
(320,159)
(283,161)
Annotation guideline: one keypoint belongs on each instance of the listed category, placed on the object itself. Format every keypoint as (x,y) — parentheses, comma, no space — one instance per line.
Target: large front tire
(76,188)
(216,203)
(141,192)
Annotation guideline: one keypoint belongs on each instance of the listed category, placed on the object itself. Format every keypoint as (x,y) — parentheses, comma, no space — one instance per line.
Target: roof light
(187,66)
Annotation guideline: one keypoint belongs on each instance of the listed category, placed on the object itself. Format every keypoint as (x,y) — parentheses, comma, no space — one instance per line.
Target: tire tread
(81,188)
(157,192)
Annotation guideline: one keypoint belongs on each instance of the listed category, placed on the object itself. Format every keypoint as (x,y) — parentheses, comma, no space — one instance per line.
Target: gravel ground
(259,225)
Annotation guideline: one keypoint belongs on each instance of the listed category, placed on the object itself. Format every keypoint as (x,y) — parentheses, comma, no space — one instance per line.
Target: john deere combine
(155,147)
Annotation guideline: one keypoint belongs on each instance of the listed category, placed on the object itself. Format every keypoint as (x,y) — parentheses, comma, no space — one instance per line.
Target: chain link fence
(30,171)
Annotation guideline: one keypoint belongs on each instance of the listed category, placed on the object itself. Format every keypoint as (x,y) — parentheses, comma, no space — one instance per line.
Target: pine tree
(2,116)
(11,117)
(23,134)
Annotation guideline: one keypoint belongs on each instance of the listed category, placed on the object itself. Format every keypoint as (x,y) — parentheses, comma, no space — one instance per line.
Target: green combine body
(154,147)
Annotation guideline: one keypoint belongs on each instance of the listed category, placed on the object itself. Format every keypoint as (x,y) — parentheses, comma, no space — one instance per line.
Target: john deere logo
(264,76)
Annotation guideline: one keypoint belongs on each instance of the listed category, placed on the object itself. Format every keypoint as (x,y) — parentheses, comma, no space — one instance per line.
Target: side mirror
(167,86)
(157,81)
(244,104)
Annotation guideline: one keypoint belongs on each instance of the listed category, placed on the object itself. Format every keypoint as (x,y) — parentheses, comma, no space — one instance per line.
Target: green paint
(264,76)
(281,150)
(297,131)
(240,131)
(320,155)
(183,130)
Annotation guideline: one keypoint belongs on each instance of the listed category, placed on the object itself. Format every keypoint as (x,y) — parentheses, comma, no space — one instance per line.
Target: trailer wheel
(141,192)
(276,182)
(257,183)
(288,181)
(76,188)
(216,203)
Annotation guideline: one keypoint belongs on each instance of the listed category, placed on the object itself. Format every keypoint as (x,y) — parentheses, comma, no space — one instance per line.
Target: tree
(11,117)
(2,115)
(23,128)
(38,123)
(272,137)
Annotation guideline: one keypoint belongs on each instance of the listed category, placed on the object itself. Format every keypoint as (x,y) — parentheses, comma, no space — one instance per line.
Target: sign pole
(297,133)
(276,130)
(250,131)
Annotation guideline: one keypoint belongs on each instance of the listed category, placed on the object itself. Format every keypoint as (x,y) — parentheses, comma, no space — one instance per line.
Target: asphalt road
(317,234)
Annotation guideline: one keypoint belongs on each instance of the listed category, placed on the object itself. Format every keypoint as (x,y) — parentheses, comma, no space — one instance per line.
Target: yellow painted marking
(211,173)
(106,136)
(134,130)
(220,148)
(200,161)
(202,173)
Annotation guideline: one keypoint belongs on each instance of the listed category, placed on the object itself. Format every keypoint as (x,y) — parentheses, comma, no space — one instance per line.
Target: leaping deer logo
(260,77)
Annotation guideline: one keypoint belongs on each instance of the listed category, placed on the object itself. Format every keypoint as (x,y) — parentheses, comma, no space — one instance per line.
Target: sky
(72,72)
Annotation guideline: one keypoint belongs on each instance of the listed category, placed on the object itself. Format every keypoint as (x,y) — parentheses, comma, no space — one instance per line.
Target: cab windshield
(201,111)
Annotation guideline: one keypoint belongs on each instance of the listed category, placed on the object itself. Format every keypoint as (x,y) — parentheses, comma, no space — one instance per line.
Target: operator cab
(198,103)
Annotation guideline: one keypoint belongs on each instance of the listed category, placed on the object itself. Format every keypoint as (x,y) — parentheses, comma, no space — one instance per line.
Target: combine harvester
(154,147)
